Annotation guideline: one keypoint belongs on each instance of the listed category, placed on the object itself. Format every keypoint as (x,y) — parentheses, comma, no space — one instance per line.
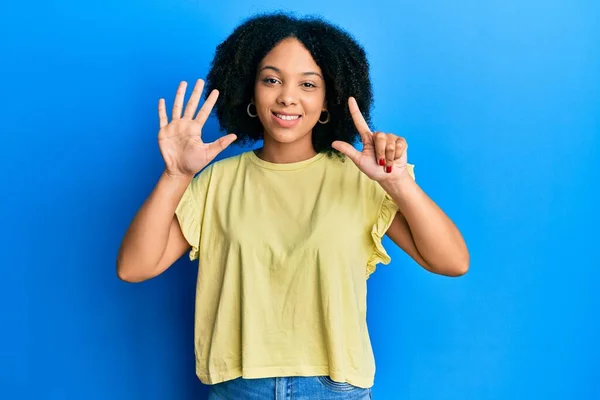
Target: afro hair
(342,60)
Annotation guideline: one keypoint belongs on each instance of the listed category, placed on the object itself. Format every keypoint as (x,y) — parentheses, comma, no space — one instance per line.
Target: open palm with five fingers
(384,155)
(180,141)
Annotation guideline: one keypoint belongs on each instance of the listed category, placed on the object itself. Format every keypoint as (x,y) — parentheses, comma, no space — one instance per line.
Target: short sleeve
(387,212)
(190,209)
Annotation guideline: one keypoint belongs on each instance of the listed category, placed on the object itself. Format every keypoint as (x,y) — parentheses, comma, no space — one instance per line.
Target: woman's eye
(308,85)
(270,80)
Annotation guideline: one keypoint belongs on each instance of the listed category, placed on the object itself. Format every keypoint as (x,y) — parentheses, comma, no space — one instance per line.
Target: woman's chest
(293,214)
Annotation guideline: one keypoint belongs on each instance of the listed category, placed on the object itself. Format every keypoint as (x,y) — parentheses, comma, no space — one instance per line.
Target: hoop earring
(248,111)
(327,120)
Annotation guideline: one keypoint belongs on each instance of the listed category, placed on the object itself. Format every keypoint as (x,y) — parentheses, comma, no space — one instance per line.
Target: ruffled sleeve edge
(187,216)
(386,216)
(384,220)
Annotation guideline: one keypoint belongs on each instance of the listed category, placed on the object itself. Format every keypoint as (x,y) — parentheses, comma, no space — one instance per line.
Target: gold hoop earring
(248,111)
(326,120)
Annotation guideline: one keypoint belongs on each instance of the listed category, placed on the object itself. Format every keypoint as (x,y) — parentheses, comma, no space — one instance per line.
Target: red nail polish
(388,169)
(382,162)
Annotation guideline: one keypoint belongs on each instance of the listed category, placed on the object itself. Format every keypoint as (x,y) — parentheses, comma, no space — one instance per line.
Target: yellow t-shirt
(284,254)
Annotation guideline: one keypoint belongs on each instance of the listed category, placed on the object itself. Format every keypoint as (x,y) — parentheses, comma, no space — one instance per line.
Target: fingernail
(388,169)
(381,162)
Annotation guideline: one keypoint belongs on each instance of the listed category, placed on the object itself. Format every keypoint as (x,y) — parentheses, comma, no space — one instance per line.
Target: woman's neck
(285,153)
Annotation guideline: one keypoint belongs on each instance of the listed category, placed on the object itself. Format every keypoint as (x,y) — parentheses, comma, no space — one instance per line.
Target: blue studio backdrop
(498,100)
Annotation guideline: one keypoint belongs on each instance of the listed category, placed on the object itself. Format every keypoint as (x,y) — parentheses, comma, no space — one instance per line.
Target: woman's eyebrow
(279,71)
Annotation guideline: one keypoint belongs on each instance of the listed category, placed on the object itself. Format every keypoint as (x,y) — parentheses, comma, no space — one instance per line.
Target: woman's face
(289,92)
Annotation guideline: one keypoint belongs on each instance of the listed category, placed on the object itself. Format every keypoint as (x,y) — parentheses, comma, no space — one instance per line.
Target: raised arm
(154,240)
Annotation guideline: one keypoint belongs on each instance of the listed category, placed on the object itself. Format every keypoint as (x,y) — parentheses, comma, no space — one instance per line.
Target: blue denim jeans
(287,388)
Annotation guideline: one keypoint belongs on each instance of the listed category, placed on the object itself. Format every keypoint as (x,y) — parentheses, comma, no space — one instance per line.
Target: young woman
(286,235)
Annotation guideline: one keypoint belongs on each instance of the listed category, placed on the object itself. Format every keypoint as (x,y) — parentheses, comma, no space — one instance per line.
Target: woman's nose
(287,96)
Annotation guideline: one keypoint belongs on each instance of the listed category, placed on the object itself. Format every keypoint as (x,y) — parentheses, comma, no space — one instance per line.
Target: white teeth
(288,117)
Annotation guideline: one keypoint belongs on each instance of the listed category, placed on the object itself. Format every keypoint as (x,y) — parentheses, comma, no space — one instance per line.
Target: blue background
(498,100)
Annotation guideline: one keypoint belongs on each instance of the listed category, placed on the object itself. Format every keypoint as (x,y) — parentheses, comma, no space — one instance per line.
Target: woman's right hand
(180,141)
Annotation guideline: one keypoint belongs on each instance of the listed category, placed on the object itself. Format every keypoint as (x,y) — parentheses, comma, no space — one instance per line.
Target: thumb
(346,149)
(220,144)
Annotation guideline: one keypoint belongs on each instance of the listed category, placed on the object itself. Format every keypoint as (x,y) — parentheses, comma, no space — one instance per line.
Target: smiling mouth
(287,117)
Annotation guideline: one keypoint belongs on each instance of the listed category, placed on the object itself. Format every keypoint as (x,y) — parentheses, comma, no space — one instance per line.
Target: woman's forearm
(436,237)
(147,235)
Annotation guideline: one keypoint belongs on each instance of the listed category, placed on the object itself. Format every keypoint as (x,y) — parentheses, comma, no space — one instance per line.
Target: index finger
(207,107)
(359,120)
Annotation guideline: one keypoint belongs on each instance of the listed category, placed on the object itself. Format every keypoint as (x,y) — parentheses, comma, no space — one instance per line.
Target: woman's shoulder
(228,163)
(348,170)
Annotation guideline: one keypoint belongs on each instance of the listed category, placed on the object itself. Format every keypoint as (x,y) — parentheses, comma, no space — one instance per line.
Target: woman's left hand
(384,155)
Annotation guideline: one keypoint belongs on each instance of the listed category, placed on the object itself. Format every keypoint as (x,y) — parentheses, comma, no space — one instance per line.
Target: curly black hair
(342,60)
